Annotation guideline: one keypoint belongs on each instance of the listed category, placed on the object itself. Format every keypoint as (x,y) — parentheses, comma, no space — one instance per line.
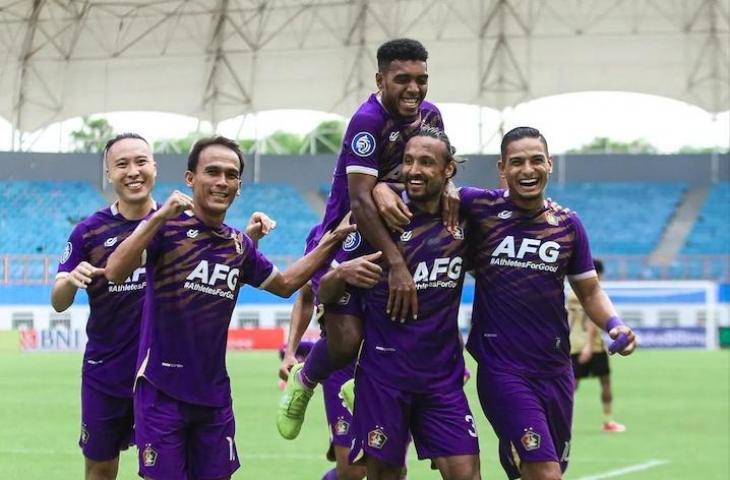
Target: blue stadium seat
(710,234)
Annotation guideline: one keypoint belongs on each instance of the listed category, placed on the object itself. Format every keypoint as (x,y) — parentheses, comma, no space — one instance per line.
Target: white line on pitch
(623,471)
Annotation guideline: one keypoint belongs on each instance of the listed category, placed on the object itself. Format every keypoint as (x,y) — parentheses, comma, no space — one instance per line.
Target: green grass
(675,404)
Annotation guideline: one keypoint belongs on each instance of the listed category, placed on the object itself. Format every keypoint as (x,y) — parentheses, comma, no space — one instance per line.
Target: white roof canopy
(215,59)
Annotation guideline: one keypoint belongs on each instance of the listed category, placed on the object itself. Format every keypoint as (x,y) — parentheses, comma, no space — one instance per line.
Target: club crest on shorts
(344,299)
(342,427)
(149,456)
(351,242)
(377,438)
(363,144)
(84,434)
(530,440)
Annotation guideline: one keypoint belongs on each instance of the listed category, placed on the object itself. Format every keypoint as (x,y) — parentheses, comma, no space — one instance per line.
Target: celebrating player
(519,336)
(589,356)
(195,266)
(409,376)
(115,308)
(372,150)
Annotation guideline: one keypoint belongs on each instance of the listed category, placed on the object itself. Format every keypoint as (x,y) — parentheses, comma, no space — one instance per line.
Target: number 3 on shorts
(472,426)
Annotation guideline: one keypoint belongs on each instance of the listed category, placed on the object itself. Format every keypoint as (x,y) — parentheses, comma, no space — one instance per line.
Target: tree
(324,138)
(178,145)
(92,136)
(606,145)
(282,143)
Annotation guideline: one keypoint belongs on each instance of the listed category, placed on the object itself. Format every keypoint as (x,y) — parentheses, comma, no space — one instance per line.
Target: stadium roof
(215,59)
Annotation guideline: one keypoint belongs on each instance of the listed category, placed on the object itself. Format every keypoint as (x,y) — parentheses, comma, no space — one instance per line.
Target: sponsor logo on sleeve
(363,144)
(352,241)
(377,438)
(66,252)
(530,440)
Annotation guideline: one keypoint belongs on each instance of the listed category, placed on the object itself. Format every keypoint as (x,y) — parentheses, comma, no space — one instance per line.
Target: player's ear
(379,80)
(189,178)
(450,170)
(550,164)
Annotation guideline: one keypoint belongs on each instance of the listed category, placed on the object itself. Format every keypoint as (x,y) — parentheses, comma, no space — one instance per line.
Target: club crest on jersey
(394,136)
(405,236)
(550,218)
(530,440)
(505,214)
(458,233)
(377,438)
(238,243)
(363,144)
(192,233)
(352,241)
(149,456)
(110,242)
(342,427)
(66,252)
(84,434)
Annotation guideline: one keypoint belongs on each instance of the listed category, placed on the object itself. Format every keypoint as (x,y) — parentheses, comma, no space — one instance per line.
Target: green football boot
(293,405)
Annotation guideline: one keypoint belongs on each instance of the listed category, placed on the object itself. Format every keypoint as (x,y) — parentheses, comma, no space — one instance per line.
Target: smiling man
(525,247)
(115,309)
(372,151)
(195,266)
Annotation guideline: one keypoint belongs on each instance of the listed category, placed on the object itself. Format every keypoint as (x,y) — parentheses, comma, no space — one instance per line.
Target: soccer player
(524,250)
(372,150)
(589,356)
(339,418)
(195,266)
(409,375)
(112,329)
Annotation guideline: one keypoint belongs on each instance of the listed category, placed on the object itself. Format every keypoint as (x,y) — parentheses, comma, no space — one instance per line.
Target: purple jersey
(373,144)
(519,322)
(194,274)
(422,355)
(115,309)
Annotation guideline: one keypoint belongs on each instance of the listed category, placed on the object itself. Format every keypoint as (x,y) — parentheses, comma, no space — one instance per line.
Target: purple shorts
(531,416)
(107,424)
(441,423)
(178,440)
(339,419)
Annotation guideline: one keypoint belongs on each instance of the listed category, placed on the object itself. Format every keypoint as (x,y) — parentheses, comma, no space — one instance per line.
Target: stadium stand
(710,233)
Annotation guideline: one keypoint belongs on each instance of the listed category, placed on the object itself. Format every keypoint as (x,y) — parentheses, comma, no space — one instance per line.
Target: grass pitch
(676,405)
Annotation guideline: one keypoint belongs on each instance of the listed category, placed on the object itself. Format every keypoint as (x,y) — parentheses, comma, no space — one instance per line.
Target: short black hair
(438,134)
(400,49)
(518,134)
(121,136)
(598,265)
(206,142)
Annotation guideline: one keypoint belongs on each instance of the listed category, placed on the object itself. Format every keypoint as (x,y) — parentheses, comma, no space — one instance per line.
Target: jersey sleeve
(153,249)
(257,270)
(359,146)
(581,261)
(74,252)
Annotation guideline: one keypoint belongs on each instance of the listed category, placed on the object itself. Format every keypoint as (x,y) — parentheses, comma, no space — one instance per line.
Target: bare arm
(600,309)
(301,317)
(360,272)
(128,255)
(285,283)
(65,286)
(402,298)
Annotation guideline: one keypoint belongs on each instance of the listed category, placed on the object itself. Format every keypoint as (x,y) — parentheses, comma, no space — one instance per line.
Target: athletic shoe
(293,405)
(613,427)
(347,395)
